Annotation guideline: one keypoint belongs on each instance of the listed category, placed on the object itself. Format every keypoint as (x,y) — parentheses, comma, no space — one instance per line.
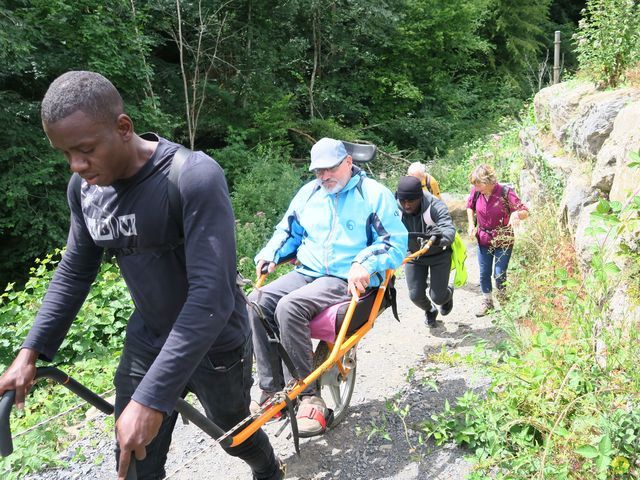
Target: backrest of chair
(360,152)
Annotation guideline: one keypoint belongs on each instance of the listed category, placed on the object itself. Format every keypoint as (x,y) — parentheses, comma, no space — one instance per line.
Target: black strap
(175,209)
(294,423)
(392,297)
(173,192)
(272,336)
(115,252)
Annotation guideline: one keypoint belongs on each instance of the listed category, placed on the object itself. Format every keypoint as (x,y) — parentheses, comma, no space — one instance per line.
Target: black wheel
(336,389)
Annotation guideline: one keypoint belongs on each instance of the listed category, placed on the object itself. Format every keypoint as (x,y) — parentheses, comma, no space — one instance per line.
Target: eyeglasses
(322,171)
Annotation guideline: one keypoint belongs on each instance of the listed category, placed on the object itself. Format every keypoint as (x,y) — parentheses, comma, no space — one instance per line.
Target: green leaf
(603,207)
(611,268)
(587,451)
(604,447)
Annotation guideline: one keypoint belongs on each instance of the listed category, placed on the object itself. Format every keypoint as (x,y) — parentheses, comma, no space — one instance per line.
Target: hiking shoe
(430,317)
(256,407)
(486,307)
(446,308)
(311,417)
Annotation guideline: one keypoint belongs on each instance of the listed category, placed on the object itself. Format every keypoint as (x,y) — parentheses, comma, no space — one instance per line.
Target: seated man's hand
(358,278)
(136,427)
(263,267)
(434,231)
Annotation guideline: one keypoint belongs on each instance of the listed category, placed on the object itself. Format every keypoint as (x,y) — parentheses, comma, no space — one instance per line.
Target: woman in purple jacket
(492,210)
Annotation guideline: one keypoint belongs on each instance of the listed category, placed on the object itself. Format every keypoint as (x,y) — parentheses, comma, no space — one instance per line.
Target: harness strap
(392,294)
(294,423)
(272,336)
(175,204)
(175,210)
(116,252)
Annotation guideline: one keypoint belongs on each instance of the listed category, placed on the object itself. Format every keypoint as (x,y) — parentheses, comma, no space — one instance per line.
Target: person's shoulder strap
(427,216)
(505,198)
(476,195)
(175,204)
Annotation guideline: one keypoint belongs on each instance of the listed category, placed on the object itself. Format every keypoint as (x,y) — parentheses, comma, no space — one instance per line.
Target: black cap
(409,188)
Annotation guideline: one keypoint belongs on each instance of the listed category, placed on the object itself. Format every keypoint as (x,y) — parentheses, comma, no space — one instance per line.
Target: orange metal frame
(340,347)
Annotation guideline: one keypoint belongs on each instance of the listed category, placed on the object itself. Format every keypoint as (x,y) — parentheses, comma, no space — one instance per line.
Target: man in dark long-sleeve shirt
(189,330)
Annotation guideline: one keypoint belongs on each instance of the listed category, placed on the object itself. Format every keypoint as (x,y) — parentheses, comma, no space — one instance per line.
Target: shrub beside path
(403,378)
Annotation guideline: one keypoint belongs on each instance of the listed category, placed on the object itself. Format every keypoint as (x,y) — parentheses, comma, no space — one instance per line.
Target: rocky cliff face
(586,136)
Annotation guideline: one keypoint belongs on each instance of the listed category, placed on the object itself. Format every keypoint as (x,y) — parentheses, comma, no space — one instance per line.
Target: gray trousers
(436,269)
(288,304)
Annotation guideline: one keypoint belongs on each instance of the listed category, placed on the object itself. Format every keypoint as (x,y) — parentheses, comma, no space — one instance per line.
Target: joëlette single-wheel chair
(338,329)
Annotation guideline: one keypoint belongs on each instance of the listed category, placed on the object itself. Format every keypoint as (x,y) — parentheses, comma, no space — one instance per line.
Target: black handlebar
(6,402)
(422,238)
(8,398)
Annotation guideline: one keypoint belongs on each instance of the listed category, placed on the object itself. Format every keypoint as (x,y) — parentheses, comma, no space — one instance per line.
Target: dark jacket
(432,212)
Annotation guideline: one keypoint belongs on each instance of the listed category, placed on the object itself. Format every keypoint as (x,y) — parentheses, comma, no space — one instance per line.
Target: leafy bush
(97,331)
(608,39)
(89,353)
(563,400)
(501,150)
(260,198)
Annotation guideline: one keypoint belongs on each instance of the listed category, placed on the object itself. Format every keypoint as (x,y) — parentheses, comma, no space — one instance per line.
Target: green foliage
(41,446)
(516,29)
(98,330)
(260,198)
(608,40)
(563,399)
(89,353)
(501,150)
(416,75)
(33,180)
(40,40)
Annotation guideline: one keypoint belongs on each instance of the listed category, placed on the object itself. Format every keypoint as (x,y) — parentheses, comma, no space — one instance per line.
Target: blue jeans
(221,382)
(496,260)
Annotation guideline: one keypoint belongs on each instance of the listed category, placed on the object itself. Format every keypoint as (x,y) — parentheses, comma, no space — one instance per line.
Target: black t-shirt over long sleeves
(186,300)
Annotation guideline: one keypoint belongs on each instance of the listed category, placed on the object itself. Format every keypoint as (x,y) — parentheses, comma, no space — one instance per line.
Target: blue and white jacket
(328,232)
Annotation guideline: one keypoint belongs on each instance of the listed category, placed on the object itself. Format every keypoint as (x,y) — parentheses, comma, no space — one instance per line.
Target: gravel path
(395,371)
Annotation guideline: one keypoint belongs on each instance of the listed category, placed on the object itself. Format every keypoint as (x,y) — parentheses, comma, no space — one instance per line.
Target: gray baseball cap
(327,153)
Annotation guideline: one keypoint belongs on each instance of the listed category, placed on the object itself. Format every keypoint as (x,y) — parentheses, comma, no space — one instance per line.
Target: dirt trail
(395,370)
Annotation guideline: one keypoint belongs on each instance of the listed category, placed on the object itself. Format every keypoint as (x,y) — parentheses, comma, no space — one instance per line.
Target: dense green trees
(247,76)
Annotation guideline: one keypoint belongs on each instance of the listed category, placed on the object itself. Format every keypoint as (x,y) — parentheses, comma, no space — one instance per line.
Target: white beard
(335,189)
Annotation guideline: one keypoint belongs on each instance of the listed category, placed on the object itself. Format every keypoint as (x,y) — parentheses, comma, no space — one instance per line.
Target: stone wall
(586,136)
